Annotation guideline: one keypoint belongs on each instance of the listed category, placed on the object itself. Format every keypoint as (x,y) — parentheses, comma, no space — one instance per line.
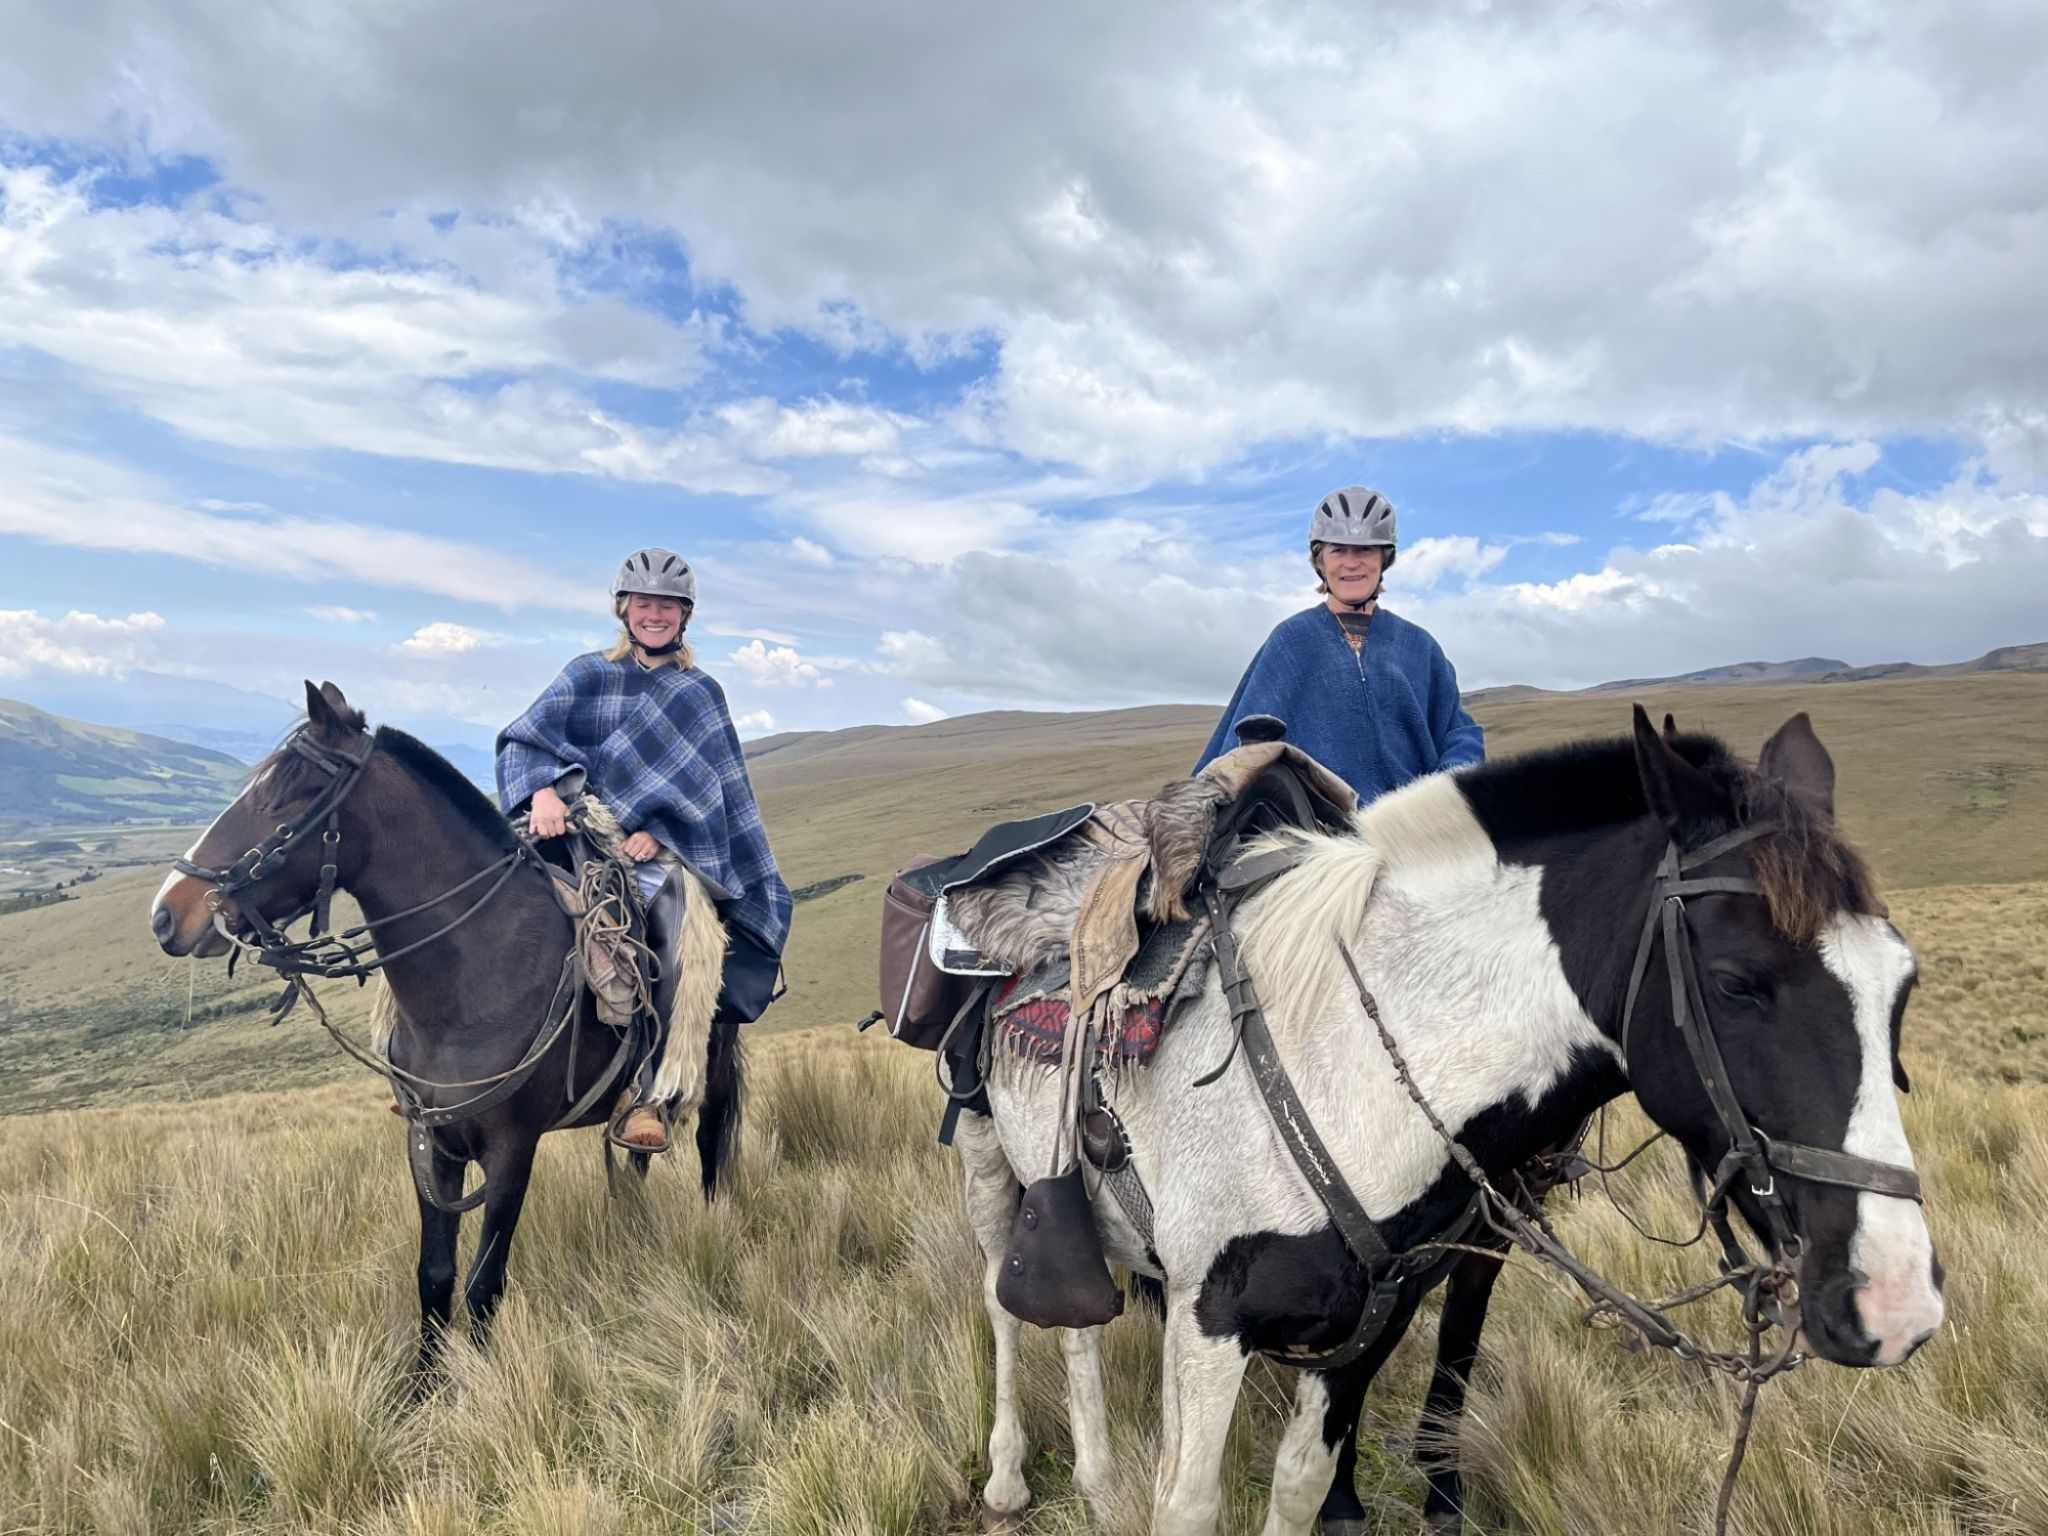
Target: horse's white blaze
(163,892)
(1901,1304)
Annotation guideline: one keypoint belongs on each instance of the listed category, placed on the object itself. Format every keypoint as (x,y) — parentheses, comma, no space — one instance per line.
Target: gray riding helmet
(1356,516)
(656,573)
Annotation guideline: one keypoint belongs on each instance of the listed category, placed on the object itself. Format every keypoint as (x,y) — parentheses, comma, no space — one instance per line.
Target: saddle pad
(1031,1009)
(1036,1027)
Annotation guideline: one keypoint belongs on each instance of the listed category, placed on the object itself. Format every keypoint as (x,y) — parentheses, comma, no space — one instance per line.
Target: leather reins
(341,955)
(1751,1154)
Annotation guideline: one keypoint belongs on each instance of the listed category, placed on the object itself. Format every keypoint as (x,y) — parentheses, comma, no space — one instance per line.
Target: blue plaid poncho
(659,748)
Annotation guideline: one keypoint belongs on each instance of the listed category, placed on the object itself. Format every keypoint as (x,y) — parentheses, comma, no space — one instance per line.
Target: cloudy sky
(994,356)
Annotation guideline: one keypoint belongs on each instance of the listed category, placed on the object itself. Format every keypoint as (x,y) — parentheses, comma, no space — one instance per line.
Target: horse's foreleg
(1088,1414)
(1201,1376)
(1457,1345)
(992,1198)
(438,1232)
(1342,1513)
(1302,1464)
(507,1170)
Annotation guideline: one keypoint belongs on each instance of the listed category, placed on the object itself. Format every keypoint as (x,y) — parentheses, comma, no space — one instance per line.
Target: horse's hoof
(1003,1522)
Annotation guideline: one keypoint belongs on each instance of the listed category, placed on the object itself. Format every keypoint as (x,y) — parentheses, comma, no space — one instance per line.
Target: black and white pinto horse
(1495,915)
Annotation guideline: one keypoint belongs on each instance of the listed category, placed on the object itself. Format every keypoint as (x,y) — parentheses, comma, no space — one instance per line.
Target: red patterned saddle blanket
(1031,1009)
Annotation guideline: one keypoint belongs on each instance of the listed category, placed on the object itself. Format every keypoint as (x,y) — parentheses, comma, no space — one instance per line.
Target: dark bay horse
(420,849)
(1537,937)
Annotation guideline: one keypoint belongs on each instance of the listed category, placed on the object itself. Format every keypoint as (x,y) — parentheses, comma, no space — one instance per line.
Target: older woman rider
(645,730)
(1362,690)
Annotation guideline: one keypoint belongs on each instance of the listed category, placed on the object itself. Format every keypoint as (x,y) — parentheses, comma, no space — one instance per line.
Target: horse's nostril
(161,923)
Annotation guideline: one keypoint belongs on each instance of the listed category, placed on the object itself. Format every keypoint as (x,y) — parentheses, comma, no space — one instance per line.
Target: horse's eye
(1738,988)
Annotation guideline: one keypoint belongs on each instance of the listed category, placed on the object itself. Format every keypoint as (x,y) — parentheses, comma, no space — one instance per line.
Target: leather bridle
(333,955)
(322,953)
(1751,1154)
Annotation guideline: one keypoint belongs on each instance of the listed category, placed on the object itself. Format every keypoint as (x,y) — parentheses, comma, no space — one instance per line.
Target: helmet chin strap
(668,649)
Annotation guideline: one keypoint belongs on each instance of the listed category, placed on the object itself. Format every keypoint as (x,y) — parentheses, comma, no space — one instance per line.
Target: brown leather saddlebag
(919,1000)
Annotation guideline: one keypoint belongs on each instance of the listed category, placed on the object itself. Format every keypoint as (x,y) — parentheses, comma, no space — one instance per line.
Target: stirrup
(663,1114)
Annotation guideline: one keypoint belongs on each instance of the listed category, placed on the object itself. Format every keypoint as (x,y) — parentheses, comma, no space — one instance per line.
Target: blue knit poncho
(1375,719)
(658,747)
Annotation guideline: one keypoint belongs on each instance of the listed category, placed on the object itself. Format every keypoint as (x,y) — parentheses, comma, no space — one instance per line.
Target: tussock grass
(210,1307)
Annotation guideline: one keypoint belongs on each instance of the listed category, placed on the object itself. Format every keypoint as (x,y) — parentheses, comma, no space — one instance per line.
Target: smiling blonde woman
(645,730)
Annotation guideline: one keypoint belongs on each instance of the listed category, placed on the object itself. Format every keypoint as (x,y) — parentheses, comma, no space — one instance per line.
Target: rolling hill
(56,770)
(1944,782)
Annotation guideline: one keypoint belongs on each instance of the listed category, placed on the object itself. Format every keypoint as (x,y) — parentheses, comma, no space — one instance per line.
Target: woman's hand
(641,847)
(547,817)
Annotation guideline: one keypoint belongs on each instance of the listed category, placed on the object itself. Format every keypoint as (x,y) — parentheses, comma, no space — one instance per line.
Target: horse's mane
(289,772)
(1807,871)
(471,803)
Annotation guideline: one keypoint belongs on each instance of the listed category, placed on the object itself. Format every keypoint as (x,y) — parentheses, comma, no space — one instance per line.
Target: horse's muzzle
(181,920)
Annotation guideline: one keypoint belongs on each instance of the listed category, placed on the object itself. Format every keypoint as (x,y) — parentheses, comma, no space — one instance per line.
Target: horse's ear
(1670,726)
(1794,758)
(1678,794)
(329,714)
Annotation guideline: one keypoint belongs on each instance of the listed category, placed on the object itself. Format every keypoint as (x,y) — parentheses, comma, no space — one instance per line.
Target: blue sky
(994,360)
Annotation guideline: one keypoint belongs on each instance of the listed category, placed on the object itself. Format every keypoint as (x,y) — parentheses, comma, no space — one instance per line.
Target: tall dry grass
(208,1308)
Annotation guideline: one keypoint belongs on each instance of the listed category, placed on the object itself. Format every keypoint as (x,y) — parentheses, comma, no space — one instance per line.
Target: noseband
(344,771)
(323,953)
(1751,1154)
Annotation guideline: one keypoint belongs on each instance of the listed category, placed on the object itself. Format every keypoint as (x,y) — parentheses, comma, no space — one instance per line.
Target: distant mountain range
(54,770)
(1808,669)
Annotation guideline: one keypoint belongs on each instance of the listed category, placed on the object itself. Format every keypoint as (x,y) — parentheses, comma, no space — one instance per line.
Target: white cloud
(778,666)
(445,639)
(921,712)
(1691,223)
(71,500)
(78,643)
(230,329)
(870,523)
(336,613)
(809,552)
(756,722)
(1797,567)
(811,429)
(1426,562)
(1805,563)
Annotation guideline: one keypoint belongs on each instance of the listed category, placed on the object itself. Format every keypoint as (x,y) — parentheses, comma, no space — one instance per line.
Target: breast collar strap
(1751,1154)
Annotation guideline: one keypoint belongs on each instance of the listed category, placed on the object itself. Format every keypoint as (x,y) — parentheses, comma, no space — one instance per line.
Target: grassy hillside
(810,1357)
(208,1310)
(1941,781)
(1944,781)
(53,769)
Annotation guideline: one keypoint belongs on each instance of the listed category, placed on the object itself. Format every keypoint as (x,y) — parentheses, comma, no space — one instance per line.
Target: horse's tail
(725,1101)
